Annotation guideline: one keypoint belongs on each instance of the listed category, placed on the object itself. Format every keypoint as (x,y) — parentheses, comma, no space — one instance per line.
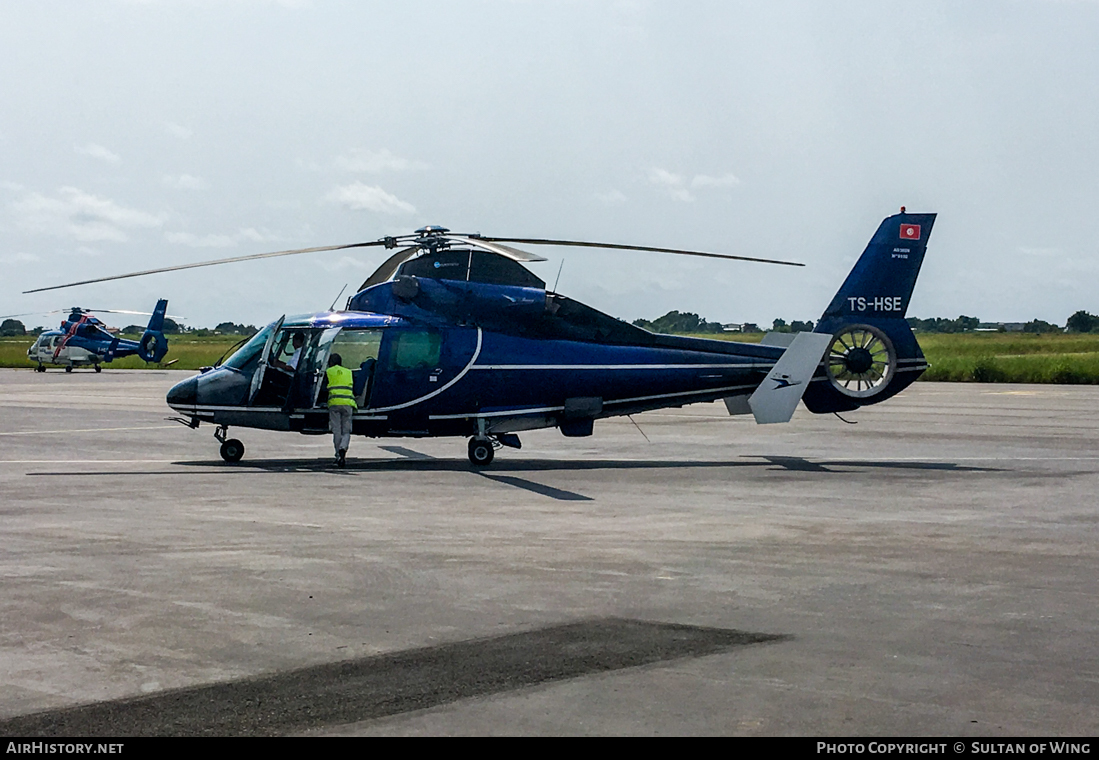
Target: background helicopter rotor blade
(621,247)
(80,310)
(35,313)
(495,247)
(214,262)
(125,311)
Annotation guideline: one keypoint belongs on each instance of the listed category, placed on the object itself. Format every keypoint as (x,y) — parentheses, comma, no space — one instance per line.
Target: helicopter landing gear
(481,451)
(69,368)
(39,368)
(98,368)
(232,450)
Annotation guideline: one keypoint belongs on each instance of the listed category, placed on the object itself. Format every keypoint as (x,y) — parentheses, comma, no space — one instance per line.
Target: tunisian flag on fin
(910,232)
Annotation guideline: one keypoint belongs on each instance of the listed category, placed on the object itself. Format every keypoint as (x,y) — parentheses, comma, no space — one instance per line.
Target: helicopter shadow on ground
(505,471)
(426,463)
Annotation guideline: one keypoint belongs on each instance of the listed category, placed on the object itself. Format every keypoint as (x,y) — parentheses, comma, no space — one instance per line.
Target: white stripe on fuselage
(502,367)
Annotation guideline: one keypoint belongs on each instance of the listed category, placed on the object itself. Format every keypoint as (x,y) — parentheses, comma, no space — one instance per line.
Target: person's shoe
(341,457)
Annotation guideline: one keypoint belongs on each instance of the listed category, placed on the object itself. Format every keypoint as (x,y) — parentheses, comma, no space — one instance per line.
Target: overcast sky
(136,134)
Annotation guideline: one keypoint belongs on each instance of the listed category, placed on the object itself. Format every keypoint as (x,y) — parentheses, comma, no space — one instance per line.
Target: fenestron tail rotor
(861,361)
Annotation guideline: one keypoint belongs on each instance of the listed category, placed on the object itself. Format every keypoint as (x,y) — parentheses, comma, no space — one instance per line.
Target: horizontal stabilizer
(778,339)
(778,395)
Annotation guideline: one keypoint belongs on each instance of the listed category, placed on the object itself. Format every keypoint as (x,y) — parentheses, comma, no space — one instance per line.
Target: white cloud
(680,189)
(360,197)
(725,180)
(673,183)
(97,151)
(245,235)
(85,217)
(183,182)
(177,130)
(348,262)
(12,186)
(613,198)
(1043,252)
(375,161)
(18,258)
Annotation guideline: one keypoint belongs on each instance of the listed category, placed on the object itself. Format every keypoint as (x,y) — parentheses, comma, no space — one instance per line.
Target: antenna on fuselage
(558,275)
(333,306)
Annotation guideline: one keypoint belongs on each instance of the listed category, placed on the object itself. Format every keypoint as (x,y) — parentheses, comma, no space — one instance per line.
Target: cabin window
(416,349)
(356,346)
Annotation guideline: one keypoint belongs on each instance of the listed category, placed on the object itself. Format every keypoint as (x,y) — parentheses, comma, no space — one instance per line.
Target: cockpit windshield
(248,354)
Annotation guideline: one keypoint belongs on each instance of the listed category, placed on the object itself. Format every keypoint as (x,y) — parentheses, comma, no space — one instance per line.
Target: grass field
(190,352)
(968,357)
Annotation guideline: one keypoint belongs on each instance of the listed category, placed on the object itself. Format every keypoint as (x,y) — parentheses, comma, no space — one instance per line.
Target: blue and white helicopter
(453,336)
(83,340)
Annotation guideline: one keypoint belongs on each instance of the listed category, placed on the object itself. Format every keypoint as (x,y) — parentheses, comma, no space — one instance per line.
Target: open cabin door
(264,359)
(358,349)
(320,363)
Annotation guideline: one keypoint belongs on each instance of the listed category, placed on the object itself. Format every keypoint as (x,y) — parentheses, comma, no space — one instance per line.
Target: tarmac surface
(931,570)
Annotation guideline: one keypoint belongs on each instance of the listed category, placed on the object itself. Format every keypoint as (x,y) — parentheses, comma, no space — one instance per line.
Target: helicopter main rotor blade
(214,262)
(620,247)
(494,247)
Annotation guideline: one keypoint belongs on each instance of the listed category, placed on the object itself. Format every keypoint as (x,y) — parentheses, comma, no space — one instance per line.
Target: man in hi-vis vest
(341,406)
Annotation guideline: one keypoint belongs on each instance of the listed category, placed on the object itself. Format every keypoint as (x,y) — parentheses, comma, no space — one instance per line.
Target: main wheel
(69,368)
(232,450)
(480,452)
(98,368)
(39,368)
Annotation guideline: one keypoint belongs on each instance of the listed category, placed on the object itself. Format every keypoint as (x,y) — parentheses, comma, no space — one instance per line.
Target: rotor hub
(432,238)
(858,361)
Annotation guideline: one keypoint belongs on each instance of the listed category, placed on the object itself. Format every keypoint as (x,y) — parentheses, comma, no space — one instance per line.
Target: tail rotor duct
(861,361)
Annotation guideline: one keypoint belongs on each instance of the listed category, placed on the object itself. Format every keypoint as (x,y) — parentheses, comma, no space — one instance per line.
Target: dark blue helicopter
(453,336)
(83,340)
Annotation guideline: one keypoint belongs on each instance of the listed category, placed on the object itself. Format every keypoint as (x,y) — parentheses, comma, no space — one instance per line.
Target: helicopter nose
(184,393)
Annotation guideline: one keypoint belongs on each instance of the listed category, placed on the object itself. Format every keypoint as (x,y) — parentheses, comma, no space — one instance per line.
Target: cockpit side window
(248,354)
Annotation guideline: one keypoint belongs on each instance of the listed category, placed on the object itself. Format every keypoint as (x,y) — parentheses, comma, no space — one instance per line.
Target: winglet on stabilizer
(778,395)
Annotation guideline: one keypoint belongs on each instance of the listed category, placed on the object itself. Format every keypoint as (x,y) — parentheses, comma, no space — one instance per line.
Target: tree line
(682,323)
(674,323)
(14,328)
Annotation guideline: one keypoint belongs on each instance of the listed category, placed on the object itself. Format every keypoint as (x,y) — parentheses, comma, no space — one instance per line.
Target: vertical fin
(882,281)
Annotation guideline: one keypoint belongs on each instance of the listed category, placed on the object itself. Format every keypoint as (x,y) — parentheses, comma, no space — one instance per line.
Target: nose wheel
(232,450)
(481,452)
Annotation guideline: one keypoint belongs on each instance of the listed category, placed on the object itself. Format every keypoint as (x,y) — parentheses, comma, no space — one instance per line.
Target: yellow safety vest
(341,392)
